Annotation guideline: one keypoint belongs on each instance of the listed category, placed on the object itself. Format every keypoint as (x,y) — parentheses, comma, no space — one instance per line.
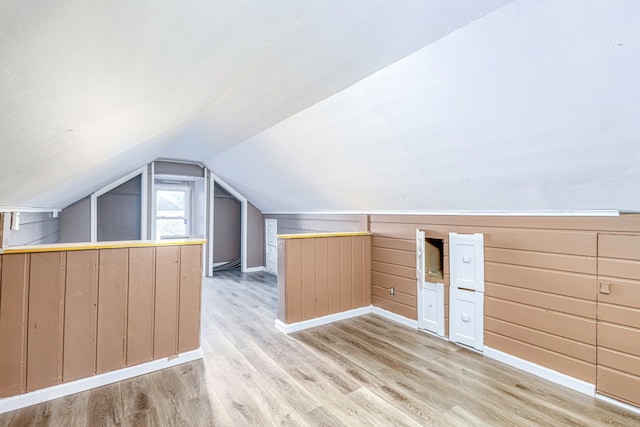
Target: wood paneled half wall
(322,274)
(69,312)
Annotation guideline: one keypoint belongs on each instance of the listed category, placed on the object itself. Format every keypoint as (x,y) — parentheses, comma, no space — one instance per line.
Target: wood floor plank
(361,371)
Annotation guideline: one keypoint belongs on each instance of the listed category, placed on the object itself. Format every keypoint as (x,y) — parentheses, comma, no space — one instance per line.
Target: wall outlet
(392,291)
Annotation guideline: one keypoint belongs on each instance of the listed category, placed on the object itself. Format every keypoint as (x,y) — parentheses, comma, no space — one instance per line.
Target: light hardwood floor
(362,371)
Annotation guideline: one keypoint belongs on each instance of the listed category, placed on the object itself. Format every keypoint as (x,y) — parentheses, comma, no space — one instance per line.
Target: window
(173,210)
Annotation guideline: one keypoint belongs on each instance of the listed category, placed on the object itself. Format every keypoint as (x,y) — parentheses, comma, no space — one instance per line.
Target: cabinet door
(466,258)
(466,322)
(431,308)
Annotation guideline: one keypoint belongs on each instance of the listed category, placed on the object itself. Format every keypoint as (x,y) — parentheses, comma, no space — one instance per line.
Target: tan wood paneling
(619,246)
(564,364)
(619,385)
(554,282)
(402,284)
(623,268)
(140,311)
(540,339)
(367,272)
(326,275)
(293,257)
(357,271)
(619,341)
(564,325)
(346,275)
(282,271)
(46,317)
(165,330)
(620,338)
(572,263)
(394,256)
(80,315)
(394,231)
(322,276)
(623,223)
(389,243)
(399,297)
(622,292)
(627,316)
(396,270)
(409,312)
(112,309)
(14,294)
(335,274)
(308,278)
(618,360)
(190,291)
(563,304)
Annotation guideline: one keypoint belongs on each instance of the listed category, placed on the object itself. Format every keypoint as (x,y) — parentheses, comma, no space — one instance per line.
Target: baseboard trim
(542,372)
(254,269)
(395,317)
(16,402)
(288,328)
(618,403)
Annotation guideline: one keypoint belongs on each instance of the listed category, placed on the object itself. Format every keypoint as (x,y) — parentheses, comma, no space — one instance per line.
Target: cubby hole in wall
(433,258)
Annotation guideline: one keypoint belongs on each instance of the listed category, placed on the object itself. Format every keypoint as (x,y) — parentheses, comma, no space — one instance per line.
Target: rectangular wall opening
(433,258)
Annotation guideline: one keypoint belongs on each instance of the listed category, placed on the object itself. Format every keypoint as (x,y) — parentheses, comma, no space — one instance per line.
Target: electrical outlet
(392,291)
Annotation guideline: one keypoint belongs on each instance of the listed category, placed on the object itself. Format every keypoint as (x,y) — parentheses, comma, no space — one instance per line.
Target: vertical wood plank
(14,292)
(282,280)
(190,291)
(366,301)
(334,275)
(112,309)
(322,277)
(46,317)
(140,307)
(80,315)
(308,278)
(346,279)
(293,280)
(165,331)
(357,273)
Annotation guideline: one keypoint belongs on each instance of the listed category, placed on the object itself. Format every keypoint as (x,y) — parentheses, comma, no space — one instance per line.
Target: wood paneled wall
(541,277)
(619,317)
(67,315)
(322,275)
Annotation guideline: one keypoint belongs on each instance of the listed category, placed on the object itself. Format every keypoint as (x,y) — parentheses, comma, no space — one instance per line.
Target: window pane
(170,227)
(171,203)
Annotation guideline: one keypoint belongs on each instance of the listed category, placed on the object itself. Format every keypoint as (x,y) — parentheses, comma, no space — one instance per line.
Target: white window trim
(188,204)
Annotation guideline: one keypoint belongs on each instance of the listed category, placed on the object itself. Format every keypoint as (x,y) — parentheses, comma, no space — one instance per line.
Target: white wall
(532,107)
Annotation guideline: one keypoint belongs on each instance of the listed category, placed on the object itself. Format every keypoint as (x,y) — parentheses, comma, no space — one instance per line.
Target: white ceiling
(325,105)
(533,107)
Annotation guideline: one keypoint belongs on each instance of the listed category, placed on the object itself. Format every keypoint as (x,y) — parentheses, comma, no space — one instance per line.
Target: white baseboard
(16,402)
(395,317)
(541,371)
(254,269)
(618,403)
(324,320)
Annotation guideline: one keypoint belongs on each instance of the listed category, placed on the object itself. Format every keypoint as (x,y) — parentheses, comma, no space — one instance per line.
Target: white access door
(466,297)
(430,295)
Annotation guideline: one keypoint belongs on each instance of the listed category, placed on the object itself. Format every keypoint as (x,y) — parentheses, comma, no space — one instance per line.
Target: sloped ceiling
(92,90)
(536,106)
(342,105)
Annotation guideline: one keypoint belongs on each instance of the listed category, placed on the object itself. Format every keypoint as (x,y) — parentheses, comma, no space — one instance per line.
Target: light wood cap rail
(61,247)
(319,235)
